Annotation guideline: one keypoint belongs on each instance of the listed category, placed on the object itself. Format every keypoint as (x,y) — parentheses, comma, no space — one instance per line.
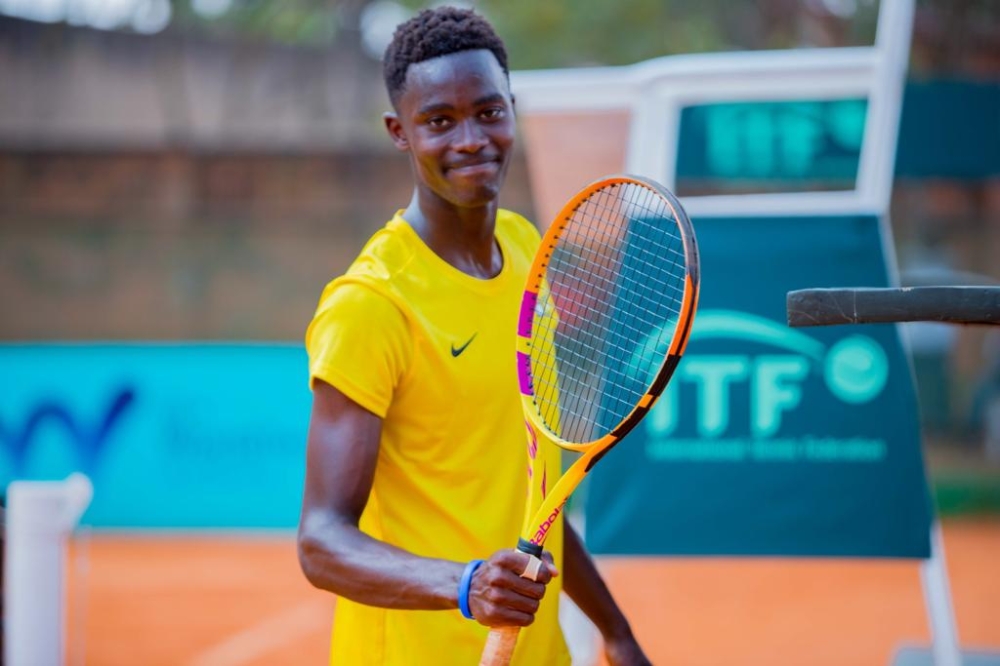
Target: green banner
(788,146)
(772,440)
(948,129)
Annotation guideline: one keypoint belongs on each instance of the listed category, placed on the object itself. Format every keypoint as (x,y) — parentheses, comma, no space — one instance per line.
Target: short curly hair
(437,32)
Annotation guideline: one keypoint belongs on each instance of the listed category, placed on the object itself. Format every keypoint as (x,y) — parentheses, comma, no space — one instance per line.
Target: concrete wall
(64,87)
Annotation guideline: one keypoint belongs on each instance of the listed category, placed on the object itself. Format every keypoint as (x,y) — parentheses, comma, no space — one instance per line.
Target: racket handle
(499,646)
(501,642)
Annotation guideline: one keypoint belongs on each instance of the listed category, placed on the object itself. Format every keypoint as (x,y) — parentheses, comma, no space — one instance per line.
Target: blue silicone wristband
(463,587)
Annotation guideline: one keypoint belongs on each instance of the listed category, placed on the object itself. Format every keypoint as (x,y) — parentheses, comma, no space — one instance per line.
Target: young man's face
(456,119)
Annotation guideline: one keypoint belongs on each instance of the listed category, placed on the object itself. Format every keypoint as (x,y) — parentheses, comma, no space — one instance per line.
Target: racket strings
(585,294)
(646,207)
(607,310)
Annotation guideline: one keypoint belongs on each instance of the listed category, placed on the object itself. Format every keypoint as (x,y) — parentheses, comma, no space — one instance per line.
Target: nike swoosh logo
(456,351)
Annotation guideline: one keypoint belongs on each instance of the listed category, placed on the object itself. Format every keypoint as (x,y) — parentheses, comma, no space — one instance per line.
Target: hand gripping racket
(605,317)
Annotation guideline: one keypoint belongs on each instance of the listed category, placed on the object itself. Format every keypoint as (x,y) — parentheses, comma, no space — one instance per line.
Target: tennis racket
(605,317)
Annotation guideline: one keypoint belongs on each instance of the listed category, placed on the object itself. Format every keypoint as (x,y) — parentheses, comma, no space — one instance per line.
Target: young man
(416,453)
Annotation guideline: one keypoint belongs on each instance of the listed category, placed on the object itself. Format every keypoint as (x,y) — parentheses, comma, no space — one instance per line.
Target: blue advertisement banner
(772,440)
(175,436)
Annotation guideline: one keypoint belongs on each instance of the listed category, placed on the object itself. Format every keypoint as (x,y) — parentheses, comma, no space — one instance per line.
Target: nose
(470,137)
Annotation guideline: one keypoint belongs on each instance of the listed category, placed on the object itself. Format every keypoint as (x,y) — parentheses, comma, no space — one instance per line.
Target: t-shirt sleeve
(359,342)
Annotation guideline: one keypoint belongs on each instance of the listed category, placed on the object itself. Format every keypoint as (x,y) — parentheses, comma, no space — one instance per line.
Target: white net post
(39,519)
(937,595)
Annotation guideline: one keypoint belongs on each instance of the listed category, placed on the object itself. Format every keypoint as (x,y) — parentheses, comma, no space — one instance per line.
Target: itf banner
(772,440)
(171,435)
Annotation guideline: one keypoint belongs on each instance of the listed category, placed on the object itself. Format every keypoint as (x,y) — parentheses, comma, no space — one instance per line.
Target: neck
(463,237)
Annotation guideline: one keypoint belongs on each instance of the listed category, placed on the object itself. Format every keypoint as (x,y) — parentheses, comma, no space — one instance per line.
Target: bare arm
(342,452)
(587,589)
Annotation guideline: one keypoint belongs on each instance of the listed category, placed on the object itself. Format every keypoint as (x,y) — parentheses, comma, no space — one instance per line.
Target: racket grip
(499,646)
(501,642)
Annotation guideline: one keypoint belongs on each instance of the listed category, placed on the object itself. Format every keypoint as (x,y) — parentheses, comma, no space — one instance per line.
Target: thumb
(550,563)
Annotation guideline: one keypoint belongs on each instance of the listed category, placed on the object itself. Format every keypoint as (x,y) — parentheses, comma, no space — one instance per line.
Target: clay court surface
(234,600)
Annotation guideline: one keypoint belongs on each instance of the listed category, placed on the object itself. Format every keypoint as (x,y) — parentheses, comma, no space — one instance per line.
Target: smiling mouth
(475,167)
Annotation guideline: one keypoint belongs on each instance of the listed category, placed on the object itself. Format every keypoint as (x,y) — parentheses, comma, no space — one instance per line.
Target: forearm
(339,558)
(584,585)
(342,454)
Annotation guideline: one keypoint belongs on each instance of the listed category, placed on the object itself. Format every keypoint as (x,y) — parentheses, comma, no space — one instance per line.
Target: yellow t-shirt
(431,350)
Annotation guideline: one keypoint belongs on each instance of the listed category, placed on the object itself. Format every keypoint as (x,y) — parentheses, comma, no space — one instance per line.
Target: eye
(439,122)
(493,113)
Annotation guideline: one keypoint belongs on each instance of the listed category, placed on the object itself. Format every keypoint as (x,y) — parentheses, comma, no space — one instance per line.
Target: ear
(396,131)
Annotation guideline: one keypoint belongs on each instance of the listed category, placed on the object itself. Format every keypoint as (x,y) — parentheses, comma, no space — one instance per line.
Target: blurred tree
(957,36)
(283,21)
(949,34)
(564,33)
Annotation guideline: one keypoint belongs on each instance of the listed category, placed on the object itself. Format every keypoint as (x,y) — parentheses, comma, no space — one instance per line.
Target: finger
(532,567)
(523,565)
(521,569)
(525,586)
(506,576)
(506,617)
(550,563)
(539,570)
(503,612)
(516,601)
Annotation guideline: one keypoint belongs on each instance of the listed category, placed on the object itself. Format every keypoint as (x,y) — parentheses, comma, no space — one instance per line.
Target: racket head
(607,312)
